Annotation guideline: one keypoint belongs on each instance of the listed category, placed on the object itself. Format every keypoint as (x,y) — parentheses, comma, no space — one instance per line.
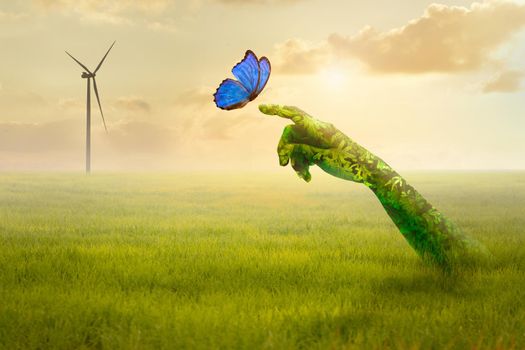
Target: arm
(310,142)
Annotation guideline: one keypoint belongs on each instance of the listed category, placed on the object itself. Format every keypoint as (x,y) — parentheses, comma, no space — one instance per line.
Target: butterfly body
(252,75)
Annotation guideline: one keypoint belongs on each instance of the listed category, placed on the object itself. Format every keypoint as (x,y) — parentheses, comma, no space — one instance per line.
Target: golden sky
(422,85)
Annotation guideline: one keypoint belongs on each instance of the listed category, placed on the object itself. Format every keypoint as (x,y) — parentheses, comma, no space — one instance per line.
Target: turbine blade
(103,58)
(99,105)
(77,61)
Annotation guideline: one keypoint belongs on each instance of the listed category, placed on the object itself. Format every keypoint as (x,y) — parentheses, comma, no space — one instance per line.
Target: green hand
(310,142)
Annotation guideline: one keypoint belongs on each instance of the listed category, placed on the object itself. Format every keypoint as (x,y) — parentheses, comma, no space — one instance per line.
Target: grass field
(144,261)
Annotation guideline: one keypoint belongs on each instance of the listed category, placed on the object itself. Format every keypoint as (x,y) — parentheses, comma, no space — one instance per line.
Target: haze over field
(424,86)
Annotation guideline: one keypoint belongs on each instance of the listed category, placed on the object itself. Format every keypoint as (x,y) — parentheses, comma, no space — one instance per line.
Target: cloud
(508,81)
(39,137)
(106,17)
(134,137)
(133,104)
(444,39)
(257,2)
(20,98)
(139,145)
(166,26)
(223,127)
(61,145)
(30,146)
(197,96)
(124,136)
(71,103)
(11,16)
(150,6)
(198,118)
(151,14)
(297,56)
(155,15)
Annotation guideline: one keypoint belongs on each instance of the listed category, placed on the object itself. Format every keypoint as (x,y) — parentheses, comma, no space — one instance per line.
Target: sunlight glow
(333,77)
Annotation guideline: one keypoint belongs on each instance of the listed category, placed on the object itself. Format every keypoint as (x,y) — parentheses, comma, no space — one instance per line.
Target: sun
(333,77)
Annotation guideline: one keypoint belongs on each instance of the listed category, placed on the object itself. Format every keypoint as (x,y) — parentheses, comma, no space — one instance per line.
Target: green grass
(250,261)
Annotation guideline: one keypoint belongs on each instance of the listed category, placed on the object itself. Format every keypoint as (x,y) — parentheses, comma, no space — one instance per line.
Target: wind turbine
(87,74)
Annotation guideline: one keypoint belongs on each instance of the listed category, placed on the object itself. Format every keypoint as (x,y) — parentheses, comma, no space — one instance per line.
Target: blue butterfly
(252,75)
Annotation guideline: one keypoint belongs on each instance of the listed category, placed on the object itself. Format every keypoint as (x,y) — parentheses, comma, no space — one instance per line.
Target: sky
(423,85)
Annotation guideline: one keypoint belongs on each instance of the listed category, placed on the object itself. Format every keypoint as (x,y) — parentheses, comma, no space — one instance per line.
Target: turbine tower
(87,74)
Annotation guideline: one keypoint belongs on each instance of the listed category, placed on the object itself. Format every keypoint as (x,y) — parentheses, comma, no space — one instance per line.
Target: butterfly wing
(231,95)
(264,74)
(252,75)
(247,71)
